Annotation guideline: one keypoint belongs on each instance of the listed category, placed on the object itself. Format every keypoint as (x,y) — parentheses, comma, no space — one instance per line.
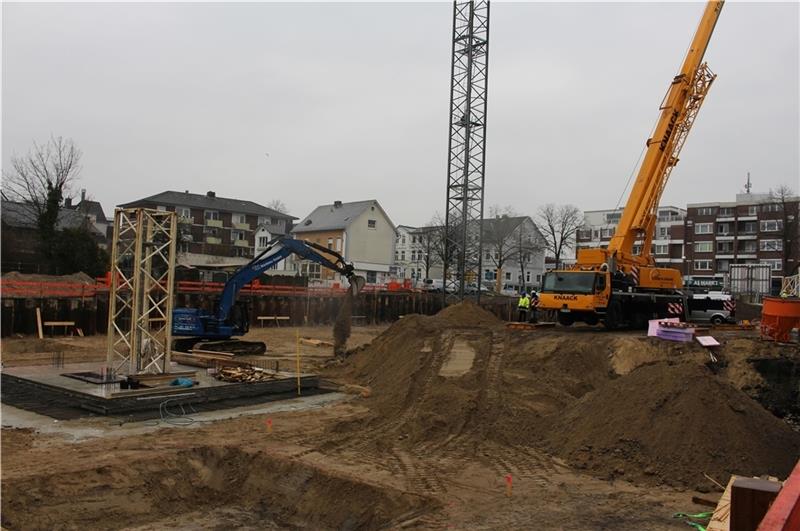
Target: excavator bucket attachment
(357,284)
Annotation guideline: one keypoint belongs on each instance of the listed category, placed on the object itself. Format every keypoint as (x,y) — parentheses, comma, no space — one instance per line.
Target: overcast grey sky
(350,101)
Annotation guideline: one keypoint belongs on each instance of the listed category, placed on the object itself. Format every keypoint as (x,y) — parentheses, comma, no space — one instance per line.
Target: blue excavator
(199,328)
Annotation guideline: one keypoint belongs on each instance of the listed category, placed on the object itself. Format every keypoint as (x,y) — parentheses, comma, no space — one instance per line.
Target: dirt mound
(672,423)
(617,405)
(467,314)
(81,278)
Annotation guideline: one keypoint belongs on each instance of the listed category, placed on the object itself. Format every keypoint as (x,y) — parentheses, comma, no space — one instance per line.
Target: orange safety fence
(28,289)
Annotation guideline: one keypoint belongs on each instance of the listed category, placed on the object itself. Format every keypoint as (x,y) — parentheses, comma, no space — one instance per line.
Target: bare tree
(278,205)
(527,244)
(427,237)
(787,202)
(499,239)
(42,178)
(441,252)
(558,225)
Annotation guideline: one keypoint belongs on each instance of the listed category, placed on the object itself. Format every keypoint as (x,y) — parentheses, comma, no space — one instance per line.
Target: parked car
(715,308)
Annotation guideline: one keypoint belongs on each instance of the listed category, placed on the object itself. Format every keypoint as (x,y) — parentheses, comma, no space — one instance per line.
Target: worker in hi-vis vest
(522,305)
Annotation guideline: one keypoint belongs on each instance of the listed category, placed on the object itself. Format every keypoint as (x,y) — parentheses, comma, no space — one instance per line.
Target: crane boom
(678,110)
(615,285)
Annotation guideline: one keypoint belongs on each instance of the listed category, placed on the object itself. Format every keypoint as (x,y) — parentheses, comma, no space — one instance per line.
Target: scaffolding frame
(141,292)
(469,71)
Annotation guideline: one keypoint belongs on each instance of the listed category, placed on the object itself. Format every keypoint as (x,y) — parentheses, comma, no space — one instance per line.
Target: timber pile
(244,374)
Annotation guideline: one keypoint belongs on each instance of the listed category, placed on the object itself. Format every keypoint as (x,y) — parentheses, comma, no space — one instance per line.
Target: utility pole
(469,71)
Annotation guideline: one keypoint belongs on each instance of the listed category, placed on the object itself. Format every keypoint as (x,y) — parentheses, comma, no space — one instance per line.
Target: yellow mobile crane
(614,285)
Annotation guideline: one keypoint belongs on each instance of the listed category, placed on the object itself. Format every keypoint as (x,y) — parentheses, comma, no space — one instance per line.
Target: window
(613,217)
(706,211)
(725,247)
(585,234)
(538,278)
(770,245)
(402,238)
(371,224)
(184,212)
(747,246)
(748,227)
(311,269)
(771,225)
(772,207)
(508,275)
(397,255)
(723,266)
(704,228)
(703,247)
(661,249)
(637,249)
(702,265)
(662,232)
(238,235)
(263,220)
(211,215)
(723,229)
(262,241)
(607,233)
(402,255)
(528,276)
(595,234)
(330,243)
(413,256)
(239,218)
(372,277)
(752,210)
(775,265)
(339,244)
(183,247)
(726,212)
(488,274)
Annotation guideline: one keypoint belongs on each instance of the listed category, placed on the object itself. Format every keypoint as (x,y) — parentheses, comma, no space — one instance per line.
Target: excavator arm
(278,250)
(214,330)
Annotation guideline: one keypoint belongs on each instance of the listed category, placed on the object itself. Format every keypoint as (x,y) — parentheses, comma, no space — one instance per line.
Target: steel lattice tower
(466,151)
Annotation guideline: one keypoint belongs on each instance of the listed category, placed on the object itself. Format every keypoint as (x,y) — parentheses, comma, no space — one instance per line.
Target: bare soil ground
(596,430)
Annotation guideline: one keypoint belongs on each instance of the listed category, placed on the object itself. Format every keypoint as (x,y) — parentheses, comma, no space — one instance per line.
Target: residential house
(667,247)
(361,231)
(755,228)
(415,255)
(93,211)
(219,230)
(21,246)
(514,253)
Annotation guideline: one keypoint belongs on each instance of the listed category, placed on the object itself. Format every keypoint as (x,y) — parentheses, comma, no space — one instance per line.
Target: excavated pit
(206,481)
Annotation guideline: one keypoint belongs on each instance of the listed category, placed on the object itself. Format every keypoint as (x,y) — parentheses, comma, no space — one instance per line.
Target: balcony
(241,226)
(727,255)
(185,220)
(726,219)
(748,217)
(747,255)
(747,236)
(241,243)
(215,240)
(214,223)
(725,237)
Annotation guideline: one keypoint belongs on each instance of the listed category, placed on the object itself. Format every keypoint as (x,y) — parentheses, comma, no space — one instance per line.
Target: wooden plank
(39,323)
(59,323)
(720,520)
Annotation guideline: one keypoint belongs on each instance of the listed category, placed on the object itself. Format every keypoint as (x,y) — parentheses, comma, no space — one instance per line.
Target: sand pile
(459,381)
(672,423)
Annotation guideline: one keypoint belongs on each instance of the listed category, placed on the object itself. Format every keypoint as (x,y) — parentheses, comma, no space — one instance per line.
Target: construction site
(608,394)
